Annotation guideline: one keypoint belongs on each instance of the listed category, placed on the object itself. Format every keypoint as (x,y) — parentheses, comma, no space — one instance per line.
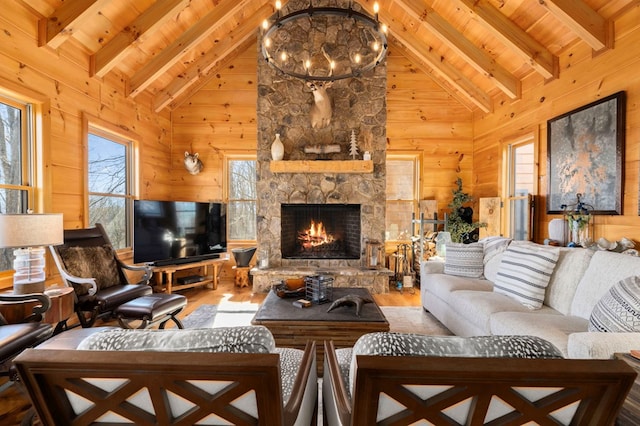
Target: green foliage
(455,222)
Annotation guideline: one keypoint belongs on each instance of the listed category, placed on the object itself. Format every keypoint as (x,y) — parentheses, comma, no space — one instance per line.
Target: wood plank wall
(60,79)
(221,119)
(584,78)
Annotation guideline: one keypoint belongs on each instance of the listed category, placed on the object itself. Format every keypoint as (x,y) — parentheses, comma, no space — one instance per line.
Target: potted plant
(457,223)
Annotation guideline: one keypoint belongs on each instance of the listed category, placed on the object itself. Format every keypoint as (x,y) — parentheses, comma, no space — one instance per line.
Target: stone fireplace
(331,179)
(320,231)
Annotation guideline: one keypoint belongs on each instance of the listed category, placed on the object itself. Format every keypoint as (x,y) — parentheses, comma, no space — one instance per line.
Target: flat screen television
(173,232)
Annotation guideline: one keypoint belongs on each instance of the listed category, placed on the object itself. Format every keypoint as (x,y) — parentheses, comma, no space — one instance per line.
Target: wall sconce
(27,233)
(579,217)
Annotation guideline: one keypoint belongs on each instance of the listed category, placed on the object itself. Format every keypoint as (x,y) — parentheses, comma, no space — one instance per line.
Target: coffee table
(292,326)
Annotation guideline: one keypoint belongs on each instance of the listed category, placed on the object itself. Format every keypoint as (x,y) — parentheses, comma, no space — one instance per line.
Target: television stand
(166,276)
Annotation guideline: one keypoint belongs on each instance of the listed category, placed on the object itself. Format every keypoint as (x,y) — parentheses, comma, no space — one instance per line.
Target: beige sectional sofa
(469,306)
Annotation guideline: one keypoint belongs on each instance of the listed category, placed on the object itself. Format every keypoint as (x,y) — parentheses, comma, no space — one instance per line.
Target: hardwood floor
(14,404)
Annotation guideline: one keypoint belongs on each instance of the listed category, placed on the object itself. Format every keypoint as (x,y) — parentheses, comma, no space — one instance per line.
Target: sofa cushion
(246,339)
(442,285)
(98,262)
(493,246)
(464,260)
(476,307)
(546,323)
(524,273)
(605,269)
(619,309)
(571,264)
(406,344)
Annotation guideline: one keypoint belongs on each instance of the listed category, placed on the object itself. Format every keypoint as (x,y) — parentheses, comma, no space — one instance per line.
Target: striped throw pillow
(524,273)
(464,260)
(619,309)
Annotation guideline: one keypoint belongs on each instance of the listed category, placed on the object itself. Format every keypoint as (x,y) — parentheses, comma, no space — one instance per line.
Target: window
(111,187)
(241,191)
(402,195)
(520,188)
(16,164)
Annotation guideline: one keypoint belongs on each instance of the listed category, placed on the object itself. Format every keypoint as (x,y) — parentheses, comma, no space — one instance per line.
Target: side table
(630,412)
(60,311)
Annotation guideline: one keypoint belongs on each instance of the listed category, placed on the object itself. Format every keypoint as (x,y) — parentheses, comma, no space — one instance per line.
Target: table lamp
(28,233)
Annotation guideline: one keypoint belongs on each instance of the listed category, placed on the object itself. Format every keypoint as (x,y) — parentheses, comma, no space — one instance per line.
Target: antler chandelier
(324,43)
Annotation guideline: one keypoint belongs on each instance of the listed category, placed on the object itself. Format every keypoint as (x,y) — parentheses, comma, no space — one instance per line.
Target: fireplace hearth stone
(375,280)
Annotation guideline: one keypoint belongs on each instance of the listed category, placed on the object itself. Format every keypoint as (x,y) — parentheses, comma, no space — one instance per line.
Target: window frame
(35,138)
(416,159)
(509,145)
(131,141)
(228,157)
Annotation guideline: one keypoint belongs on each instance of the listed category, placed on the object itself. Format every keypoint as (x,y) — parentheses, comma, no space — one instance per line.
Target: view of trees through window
(14,166)
(110,187)
(242,199)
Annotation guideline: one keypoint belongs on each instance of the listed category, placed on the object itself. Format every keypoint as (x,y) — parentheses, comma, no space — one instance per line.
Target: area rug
(413,319)
(402,319)
(225,315)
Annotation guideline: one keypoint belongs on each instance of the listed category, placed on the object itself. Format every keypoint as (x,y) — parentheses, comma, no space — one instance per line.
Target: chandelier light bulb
(283,56)
(265,25)
(384,28)
(376,8)
(278,5)
(267,42)
(358,58)
(307,64)
(376,46)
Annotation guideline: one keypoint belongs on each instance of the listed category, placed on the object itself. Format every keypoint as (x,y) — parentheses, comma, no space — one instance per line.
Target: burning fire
(315,236)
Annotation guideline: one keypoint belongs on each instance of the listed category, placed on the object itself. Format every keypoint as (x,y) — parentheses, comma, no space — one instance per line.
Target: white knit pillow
(464,260)
(524,273)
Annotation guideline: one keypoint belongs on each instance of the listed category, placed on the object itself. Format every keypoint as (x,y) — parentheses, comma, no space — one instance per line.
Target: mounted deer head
(192,163)
(321,110)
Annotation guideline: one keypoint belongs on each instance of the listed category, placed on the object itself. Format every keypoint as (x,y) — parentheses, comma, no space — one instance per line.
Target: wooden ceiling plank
(119,46)
(190,38)
(442,69)
(232,45)
(478,59)
(582,20)
(515,38)
(57,28)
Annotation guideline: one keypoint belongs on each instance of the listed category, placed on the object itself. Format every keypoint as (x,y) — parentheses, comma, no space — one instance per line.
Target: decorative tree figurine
(459,228)
(353,145)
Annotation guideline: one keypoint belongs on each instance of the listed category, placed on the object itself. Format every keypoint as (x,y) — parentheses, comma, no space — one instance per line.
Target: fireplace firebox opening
(320,231)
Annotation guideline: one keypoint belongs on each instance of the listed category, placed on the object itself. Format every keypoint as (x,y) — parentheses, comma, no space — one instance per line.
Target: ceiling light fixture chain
(324,43)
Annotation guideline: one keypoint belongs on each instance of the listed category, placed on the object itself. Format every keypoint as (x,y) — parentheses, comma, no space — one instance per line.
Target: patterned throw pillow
(241,339)
(464,260)
(619,309)
(525,271)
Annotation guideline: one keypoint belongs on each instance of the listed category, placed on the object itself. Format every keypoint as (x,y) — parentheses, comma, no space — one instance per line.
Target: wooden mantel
(322,166)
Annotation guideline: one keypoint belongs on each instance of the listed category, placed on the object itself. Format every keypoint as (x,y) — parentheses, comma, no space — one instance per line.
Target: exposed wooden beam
(582,20)
(515,38)
(57,28)
(201,71)
(117,48)
(478,59)
(172,53)
(441,69)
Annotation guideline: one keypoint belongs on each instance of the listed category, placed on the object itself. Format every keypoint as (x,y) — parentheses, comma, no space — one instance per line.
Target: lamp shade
(31,230)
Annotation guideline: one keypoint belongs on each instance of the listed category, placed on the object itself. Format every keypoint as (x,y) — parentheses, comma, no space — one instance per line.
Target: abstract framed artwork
(585,155)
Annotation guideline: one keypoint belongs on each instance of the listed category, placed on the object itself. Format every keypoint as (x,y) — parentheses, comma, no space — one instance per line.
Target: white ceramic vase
(277,149)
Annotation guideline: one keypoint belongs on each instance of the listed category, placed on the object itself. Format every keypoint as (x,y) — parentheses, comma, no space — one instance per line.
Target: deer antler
(332,63)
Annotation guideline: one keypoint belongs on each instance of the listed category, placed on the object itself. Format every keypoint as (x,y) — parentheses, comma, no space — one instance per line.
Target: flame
(316,235)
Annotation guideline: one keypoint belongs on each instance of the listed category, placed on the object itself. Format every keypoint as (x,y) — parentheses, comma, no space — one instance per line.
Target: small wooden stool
(242,276)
